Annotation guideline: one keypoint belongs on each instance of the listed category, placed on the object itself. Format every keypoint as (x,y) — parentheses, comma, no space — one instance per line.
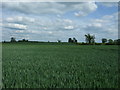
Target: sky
(52,21)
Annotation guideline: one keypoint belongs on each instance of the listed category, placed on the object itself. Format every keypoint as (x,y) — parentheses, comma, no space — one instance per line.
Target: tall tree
(110,41)
(24,40)
(104,40)
(59,41)
(93,39)
(75,40)
(13,39)
(70,40)
(90,38)
(118,41)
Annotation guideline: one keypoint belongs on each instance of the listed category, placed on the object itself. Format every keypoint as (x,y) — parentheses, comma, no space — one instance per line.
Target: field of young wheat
(59,66)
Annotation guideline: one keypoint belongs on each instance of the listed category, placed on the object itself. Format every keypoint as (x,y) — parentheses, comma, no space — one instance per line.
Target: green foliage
(110,41)
(89,38)
(117,42)
(34,65)
(59,41)
(13,39)
(74,40)
(104,40)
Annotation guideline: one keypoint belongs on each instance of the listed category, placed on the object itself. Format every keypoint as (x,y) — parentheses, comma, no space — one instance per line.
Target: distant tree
(93,39)
(13,39)
(59,41)
(4,41)
(70,40)
(104,40)
(117,42)
(74,40)
(110,41)
(90,38)
(24,40)
(83,43)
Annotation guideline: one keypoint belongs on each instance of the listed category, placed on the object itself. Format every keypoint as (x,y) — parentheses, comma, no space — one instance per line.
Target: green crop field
(34,65)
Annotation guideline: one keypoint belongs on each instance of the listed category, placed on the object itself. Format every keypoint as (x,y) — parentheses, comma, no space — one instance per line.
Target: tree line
(90,40)
(14,40)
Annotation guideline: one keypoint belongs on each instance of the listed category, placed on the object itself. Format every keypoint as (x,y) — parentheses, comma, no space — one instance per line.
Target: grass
(59,66)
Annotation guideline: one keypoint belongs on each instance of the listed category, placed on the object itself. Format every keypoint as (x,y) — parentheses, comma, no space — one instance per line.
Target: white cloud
(69,27)
(50,32)
(0,24)
(95,25)
(20,19)
(19,31)
(15,26)
(79,14)
(50,7)
(67,20)
(100,21)
(107,25)
(85,9)
(9,19)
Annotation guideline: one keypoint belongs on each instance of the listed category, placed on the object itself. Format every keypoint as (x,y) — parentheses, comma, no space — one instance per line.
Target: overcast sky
(52,21)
